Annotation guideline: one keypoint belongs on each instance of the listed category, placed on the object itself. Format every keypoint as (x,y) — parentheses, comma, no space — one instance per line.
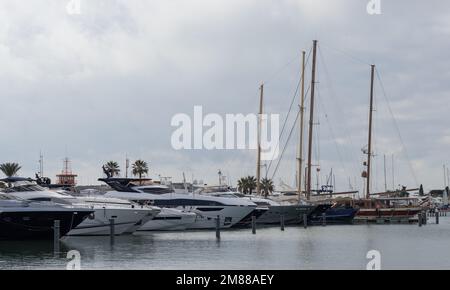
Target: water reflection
(331,247)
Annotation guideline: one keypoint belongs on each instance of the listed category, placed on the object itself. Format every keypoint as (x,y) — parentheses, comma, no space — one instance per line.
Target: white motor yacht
(127,216)
(292,213)
(230,211)
(170,219)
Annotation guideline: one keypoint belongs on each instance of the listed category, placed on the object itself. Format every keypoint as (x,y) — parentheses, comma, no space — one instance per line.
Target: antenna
(41,164)
(127,166)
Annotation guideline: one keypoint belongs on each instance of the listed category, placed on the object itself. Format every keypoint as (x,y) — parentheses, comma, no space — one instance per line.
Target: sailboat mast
(258,162)
(385,177)
(393,172)
(311,119)
(302,116)
(445,176)
(369,149)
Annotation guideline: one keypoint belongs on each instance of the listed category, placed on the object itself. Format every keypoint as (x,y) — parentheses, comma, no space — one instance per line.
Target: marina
(139,212)
(224,136)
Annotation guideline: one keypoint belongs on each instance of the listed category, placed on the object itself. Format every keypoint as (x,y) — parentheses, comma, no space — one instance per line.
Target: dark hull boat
(247,221)
(333,214)
(20,220)
(293,214)
(37,225)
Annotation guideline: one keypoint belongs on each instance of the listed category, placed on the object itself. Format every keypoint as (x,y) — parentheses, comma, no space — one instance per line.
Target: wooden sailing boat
(333,212)
(382,209)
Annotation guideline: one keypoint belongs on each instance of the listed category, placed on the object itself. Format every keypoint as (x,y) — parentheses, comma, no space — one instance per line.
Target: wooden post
(311,120)
(56,235)
(369,149)
(258,161)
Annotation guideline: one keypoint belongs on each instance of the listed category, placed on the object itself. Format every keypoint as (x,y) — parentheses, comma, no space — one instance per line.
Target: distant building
(66,178)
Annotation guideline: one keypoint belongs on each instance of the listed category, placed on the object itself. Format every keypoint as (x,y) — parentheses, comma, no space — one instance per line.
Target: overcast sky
(105,83)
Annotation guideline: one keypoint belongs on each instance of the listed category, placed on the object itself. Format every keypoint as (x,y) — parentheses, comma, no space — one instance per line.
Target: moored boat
(24,220)
(388,209)
(333,213)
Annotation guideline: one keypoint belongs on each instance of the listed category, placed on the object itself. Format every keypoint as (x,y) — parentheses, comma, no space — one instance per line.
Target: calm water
(331,247)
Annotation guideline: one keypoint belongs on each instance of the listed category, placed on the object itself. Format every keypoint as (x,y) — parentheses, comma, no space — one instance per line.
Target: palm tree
(243,185)
(10,169)
(251,180)
(140,168)
(112,167)
(267,186)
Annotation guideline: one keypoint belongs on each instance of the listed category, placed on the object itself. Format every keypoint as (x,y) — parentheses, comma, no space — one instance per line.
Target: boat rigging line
(349,56)
(397,127)
(288,114)
(285,145)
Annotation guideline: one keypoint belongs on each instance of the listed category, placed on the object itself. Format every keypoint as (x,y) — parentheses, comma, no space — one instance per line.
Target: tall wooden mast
(369,149)
(258,162)
(311,119)
(301,125)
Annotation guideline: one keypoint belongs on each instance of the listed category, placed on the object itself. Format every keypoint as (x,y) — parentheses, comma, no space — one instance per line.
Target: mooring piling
(56,235)
(324,219)
(253,225)
(218,227)
(111,231)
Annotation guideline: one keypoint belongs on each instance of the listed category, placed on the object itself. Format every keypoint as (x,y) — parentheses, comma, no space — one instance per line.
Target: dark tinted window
(157,190)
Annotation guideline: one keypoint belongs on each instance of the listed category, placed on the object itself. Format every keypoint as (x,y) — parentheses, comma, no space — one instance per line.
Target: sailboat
(382,209)
(333,212)
(291,212)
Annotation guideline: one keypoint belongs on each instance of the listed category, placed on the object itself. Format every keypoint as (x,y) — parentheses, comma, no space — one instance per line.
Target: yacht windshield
(24,188)
(5,197)
(213,189)
(156,190)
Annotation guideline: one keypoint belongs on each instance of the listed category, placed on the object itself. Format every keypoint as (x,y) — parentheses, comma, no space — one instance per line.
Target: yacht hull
(338,215)
(373,213)
(293,214)
(27,225)
(229,216)
(99,224)
(169,220)
(247,221)
(152,214)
